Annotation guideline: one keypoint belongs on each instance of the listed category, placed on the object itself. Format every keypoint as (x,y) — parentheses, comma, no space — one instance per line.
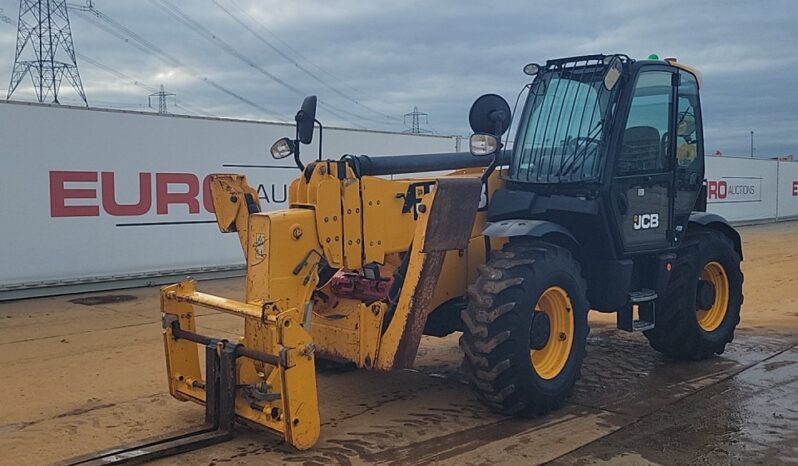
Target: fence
(92,197)
(103,199)
(749,190)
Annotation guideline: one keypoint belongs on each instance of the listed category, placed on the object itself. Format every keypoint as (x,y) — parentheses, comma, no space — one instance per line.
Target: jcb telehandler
(599,205)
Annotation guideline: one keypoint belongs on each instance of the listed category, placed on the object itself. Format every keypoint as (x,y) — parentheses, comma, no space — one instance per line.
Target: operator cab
(608,153)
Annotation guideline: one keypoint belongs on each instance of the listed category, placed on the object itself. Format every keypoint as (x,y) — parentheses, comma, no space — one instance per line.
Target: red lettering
(164,197)
(717,190)
(109,196)
(59,194)
(795,188)
(207,196)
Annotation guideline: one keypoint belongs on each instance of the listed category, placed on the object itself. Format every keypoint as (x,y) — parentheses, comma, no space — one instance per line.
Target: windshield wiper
(568,165)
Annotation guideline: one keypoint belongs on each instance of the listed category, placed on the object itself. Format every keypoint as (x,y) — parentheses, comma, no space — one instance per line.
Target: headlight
(531,69)
(483,144)
(282,148)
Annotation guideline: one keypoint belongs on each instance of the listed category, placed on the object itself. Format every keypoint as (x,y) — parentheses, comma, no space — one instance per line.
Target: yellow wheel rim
(549,361)
(711,319)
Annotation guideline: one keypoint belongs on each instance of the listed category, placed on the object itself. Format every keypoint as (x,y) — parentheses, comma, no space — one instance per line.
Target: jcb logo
(645,221)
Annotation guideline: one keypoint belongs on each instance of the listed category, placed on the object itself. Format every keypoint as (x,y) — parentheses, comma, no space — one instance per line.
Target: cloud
(367,60)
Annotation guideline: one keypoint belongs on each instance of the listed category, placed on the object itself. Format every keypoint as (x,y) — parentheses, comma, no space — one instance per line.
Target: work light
(282,148)
(483,144)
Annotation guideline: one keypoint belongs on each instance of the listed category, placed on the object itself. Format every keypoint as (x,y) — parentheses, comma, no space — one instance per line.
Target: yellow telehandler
(600,204)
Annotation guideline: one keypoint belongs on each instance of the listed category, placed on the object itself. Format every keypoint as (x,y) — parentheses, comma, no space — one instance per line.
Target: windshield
(561,131)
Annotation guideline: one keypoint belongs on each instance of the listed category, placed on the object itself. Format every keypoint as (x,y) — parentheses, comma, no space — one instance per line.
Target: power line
(284,43)
(97,64)
(298,53)
(89,7)
(108,29)
(107,104)
(201,30)
(190,110)
(150,89)
(295,63)
(5,18)
(126,35)
(102,21)
(130,80)
(116,73)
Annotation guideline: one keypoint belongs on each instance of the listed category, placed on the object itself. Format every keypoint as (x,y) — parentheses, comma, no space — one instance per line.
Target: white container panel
(104,194)
(741,189)
(788,190)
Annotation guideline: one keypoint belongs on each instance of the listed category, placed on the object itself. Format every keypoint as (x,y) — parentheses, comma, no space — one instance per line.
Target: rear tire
(525,279)
(682,330)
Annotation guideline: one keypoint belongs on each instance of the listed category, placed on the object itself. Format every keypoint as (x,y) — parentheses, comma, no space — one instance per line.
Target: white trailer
(98,199)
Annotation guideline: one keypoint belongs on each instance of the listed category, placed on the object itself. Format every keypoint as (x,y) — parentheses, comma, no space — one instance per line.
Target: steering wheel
(581,148)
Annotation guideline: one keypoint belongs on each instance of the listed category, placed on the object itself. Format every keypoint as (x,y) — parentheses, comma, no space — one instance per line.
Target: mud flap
(444,224)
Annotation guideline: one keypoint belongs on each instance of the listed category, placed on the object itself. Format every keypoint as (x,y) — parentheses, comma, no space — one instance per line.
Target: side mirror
(283,148)
(482,144)
(304,120)
(613,73)
(490,114)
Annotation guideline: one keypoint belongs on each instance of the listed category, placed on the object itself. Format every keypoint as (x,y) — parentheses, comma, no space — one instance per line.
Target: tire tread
(492,320)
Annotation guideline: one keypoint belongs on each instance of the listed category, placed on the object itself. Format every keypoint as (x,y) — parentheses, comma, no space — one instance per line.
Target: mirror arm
(493,164)
(299,163)
(297,144)
(498,130)
(321,132)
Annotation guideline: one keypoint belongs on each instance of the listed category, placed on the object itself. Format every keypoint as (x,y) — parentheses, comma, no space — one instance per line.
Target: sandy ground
(83,377)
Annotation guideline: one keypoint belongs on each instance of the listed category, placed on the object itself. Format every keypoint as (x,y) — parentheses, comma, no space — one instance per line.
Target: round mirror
(305,118)
(490,114)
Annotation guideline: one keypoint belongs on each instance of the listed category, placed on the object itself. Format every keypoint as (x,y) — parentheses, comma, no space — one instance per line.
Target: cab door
(689,164)
(642,188)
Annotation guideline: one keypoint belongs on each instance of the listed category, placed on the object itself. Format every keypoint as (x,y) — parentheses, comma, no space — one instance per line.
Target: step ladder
(643,302)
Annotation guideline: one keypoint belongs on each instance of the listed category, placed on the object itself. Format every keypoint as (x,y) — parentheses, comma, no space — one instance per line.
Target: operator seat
(640,149)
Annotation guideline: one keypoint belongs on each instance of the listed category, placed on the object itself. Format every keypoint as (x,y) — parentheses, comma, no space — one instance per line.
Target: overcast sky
(370,62)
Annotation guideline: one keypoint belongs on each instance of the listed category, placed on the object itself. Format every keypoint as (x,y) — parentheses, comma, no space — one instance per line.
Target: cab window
(686,125)
(645,145)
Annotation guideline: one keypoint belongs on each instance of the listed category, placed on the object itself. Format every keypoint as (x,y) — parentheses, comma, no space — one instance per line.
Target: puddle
(103,299)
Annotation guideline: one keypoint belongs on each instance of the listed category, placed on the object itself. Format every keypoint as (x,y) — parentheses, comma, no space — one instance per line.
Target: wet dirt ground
(86,372)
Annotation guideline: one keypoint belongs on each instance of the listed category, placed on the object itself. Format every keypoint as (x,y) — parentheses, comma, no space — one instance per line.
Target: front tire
(700,310)
(525,328)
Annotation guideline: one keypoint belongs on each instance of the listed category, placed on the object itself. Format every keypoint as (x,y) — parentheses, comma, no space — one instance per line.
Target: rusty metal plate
(454,210)
(419,309)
